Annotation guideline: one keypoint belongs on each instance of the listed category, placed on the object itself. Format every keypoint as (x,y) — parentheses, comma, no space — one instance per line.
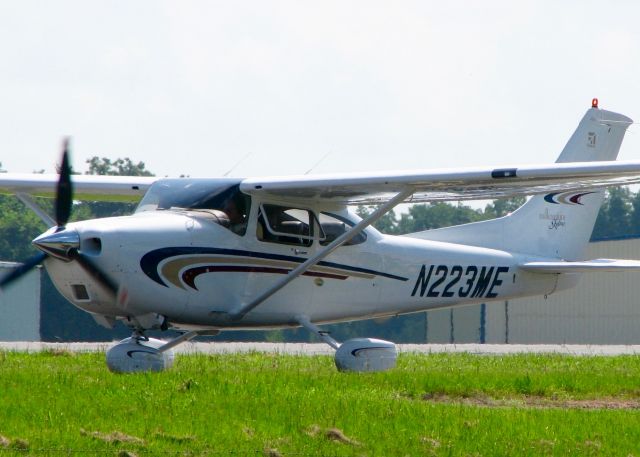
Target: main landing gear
(357,354)
(139,353)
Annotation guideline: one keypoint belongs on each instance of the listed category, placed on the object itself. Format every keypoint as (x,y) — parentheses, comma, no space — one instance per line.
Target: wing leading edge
(87,187)
(365,188)
(446,184)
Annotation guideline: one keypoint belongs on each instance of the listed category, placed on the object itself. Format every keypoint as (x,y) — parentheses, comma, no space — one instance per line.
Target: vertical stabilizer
(557,224)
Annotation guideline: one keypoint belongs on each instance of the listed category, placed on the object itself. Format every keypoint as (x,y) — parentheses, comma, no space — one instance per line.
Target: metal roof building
(604,308)
(20,306)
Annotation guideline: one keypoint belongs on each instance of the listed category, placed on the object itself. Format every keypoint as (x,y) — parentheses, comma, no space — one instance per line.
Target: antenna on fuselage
(317,163)
(246,156)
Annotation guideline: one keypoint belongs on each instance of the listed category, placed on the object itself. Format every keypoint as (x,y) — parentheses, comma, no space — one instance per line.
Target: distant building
(604,308)
(31,309)
(20,306)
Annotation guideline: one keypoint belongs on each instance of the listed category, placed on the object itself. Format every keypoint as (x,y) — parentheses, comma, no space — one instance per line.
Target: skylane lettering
(458,281)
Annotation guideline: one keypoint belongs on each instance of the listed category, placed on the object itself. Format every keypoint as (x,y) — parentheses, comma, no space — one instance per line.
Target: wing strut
(241,311)
(33,206)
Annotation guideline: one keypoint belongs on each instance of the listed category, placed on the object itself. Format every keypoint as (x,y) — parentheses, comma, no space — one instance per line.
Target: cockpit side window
(334,225)
(286,225)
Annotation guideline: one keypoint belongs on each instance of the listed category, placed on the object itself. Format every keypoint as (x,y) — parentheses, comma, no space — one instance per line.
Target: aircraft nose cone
(59,243)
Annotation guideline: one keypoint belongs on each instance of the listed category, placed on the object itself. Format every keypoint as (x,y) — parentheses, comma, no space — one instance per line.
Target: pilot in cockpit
(235,213)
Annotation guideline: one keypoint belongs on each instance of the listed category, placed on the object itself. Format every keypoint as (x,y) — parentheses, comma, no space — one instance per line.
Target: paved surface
(313,349)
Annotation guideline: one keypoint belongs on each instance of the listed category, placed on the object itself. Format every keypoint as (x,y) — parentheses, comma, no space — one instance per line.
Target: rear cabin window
(333,226)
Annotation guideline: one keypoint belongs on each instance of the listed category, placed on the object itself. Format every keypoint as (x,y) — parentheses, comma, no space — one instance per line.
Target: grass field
(58,403)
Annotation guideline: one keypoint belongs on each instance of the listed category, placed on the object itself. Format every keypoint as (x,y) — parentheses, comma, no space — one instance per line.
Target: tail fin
(555,225)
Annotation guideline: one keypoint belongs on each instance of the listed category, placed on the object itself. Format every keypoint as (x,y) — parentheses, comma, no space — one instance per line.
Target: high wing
(87,187)
(365,188)
(446,184)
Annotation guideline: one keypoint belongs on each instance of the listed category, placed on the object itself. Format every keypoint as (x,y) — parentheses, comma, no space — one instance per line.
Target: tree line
(619,216)
(19,225)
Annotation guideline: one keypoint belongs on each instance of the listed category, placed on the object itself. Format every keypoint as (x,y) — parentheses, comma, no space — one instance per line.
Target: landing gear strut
(357,354)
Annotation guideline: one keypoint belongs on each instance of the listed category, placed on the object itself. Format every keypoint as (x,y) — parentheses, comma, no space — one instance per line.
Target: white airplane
(207,255)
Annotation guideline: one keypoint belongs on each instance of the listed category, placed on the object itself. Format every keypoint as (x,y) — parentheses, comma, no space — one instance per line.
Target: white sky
(191,87)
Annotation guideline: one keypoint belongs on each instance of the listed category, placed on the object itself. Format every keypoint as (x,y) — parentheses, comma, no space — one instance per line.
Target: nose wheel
(139,353)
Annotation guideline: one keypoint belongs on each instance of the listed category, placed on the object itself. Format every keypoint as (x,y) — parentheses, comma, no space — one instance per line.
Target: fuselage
(186,266)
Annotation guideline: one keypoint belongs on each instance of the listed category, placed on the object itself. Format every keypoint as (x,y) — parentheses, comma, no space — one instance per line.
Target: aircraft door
(285,236)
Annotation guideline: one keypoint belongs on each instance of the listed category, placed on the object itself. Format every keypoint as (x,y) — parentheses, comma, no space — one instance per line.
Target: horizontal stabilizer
(580,267)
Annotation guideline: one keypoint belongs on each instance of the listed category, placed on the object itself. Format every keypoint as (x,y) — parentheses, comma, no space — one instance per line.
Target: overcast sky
(192,87)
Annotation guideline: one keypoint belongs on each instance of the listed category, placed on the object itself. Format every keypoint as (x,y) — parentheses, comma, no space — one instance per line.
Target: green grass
(257,404)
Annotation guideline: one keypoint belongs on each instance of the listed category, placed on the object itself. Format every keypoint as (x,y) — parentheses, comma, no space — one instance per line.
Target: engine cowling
(366,354)
(133,355)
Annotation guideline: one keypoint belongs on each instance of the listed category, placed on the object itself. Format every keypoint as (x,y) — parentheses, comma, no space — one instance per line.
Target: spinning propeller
(58,241)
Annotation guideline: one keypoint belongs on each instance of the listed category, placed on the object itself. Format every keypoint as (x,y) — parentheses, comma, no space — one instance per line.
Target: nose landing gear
(138,353)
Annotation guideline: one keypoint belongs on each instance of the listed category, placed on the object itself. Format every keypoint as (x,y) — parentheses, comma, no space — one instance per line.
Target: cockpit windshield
(200,194)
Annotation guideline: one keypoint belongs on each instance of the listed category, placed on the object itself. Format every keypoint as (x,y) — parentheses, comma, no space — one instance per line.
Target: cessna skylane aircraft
(206,255)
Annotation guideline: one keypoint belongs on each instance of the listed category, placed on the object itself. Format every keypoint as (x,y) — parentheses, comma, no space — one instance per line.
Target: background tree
(19,225)
(615,215)
(634,218)
(386,224)
(435,215)
(105,167)
(118,167)
(503,206)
